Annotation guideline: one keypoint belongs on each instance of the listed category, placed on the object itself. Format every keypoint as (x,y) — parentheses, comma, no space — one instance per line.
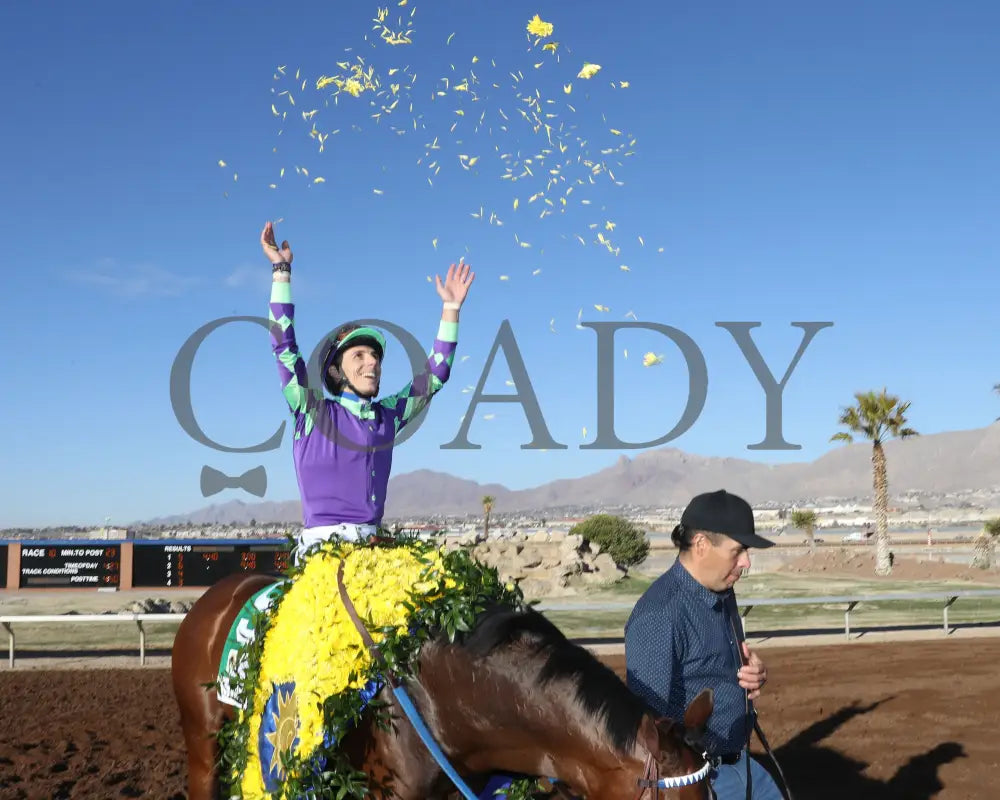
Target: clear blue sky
(793,163)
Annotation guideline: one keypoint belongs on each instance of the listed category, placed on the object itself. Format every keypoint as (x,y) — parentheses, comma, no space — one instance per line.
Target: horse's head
(676,763)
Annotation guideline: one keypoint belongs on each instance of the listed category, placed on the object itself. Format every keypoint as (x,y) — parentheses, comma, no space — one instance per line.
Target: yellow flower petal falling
(651,360)
(560,149)
(536,27)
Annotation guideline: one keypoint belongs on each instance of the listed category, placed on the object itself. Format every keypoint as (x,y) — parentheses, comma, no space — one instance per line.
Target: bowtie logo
(253,481)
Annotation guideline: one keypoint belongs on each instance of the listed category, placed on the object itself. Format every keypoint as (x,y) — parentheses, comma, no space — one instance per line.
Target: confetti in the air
(222,163)
(651,360)
(490,120)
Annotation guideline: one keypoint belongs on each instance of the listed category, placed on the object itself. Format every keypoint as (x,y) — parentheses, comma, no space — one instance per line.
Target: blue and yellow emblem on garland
(311,654)
(279,733)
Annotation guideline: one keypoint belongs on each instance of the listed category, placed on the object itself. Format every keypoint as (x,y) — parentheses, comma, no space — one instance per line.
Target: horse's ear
(699,711)
(649,735)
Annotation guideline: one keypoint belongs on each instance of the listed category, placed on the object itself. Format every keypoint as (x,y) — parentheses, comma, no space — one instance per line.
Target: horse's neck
(490,716)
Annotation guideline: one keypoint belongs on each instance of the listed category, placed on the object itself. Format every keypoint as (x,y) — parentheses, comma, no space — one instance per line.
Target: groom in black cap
(684,635)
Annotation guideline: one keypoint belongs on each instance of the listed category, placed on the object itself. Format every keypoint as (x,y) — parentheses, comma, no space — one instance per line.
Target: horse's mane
(598,689)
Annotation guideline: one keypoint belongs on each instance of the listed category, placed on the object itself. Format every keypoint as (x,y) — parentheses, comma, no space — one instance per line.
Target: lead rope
(785,790)
(746,699)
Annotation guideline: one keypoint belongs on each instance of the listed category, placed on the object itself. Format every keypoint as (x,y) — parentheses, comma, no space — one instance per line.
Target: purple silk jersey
(343,447)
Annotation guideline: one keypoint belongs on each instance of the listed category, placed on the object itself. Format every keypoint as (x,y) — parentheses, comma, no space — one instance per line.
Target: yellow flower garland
(312,641)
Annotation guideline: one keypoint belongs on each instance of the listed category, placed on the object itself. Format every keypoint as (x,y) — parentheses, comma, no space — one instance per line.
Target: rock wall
(543,564)
(156,605)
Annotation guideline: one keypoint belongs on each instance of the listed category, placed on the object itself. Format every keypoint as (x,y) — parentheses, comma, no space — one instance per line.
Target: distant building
(110,533)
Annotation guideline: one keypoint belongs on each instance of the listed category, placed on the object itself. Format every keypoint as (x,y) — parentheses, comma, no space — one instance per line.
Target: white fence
(747,604)
(850,602)
(138,620)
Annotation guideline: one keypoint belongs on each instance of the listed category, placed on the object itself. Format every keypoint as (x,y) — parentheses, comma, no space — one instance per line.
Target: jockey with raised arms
(343,446)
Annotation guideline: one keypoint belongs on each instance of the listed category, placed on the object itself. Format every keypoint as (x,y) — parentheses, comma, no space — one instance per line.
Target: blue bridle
(413,715)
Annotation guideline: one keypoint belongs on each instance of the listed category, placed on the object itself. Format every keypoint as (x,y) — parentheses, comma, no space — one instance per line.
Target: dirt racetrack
(913,721)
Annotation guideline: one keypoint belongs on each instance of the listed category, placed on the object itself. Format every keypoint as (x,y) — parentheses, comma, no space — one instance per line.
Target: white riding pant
(308,537)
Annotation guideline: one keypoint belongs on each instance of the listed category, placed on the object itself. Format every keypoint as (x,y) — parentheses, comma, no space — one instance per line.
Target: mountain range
(935,464)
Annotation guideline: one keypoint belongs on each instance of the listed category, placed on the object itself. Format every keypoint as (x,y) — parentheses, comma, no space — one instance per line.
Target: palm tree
(806,521)
(983,554)
(877,416)
(488,501)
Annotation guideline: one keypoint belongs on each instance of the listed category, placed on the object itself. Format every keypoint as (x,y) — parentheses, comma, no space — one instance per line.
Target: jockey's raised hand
(274,254)
(456,283)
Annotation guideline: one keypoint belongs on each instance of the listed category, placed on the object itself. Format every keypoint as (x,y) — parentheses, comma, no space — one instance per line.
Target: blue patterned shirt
(682,638)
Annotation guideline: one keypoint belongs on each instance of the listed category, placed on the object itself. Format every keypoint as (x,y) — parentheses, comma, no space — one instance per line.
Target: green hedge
(619,538)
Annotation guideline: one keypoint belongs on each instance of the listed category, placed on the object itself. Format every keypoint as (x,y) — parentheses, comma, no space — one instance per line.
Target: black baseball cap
(722,512)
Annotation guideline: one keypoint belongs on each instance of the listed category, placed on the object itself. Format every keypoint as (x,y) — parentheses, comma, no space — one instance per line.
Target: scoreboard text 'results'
(202,564)
(76,565)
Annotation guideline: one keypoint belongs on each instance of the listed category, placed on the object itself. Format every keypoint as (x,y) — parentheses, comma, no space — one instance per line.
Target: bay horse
(512,696)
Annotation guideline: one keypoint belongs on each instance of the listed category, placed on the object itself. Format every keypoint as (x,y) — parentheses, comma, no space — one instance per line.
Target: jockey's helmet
(346,336)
